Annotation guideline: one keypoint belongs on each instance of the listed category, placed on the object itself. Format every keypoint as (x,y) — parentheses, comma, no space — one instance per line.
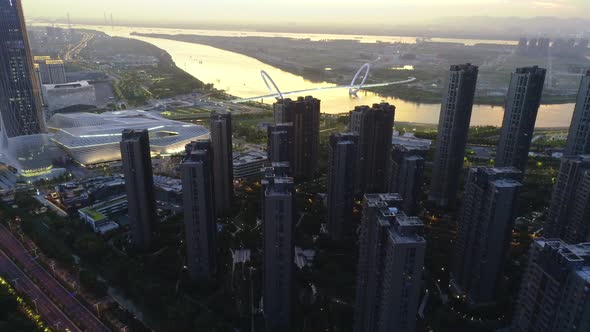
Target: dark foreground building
(304,114)
(139,184)
(484,234)
(223,167)
(578,140)
(453,127)
(341,181)
(407,175)
(554,294)
(278,211)
(374,126)
(389,274)
(520,115)
(20,99)
(199,210)
(569,211)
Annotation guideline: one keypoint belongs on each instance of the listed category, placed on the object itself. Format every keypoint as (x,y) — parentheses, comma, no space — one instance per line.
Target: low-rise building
(247,165)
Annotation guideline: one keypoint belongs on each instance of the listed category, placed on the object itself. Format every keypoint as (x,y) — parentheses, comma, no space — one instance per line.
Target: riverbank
(300,60)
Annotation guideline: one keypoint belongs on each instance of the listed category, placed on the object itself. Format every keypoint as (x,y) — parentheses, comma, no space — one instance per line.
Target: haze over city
(317,13)
(295,166)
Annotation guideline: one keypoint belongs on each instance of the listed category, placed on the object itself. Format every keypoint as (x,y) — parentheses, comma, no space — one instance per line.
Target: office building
(453,127)
(341,174)
(223,171)
(554,295)
(199,210)
(389,274)
(278,212)
(520,115)
(304,114)
(139,184)
(569,211)
(484,234)
(280,142)
(374,125)
(578,140)
(51,71)
(21,107)
(407,175)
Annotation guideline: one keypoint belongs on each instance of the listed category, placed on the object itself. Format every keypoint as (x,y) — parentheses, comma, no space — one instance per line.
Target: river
(239,75)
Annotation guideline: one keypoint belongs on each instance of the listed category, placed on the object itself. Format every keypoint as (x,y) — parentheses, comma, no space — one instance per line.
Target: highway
(49,312)
(70,304)
(409,80)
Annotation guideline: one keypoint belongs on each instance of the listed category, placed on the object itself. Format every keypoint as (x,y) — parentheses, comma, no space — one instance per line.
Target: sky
(294,11)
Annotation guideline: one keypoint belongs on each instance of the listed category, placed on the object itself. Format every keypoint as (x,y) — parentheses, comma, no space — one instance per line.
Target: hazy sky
(272,11)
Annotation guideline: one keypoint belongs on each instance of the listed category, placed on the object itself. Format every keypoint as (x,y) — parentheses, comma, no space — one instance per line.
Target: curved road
(409,80)
(70,304)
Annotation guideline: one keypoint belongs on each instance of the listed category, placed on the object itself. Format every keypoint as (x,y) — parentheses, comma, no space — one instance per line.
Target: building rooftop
(576,257)
(249,157)
(94,138)
(410,142)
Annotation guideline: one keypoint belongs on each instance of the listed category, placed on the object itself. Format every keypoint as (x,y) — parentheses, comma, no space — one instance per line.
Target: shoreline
(403,92)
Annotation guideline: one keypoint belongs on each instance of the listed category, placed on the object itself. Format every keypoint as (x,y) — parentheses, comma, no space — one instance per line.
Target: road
(49,312)
(78,312)
(72,53)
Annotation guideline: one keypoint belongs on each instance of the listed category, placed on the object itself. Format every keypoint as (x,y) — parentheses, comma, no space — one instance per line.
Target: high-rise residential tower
(484,234)
(569,211)
(341,174)
(389,274)
(407,175)
(139,184)
(223,168)
(304,114)
(554,295)
(453,127)
(278,211)
(374,125)
(578,140)
(520,115)
(199,210)
(280,143)
(21,107)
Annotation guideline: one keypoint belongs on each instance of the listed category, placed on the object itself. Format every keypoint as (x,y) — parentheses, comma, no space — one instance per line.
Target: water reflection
(240,76)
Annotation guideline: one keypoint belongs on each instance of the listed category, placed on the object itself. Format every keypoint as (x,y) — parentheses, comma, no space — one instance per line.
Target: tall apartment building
(223,169)
(51,71)
(304,114)
(21,107)
(280,142)
(139,184)
(520,115)
(374,125)
(453,127)
(578,140)
(554,295)
(484,234)
(278,212)
(341,181)
(199,210)
(389,275)
(569,211)
(407,175)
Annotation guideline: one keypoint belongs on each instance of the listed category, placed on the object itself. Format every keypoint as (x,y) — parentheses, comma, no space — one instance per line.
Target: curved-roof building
(94,138)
